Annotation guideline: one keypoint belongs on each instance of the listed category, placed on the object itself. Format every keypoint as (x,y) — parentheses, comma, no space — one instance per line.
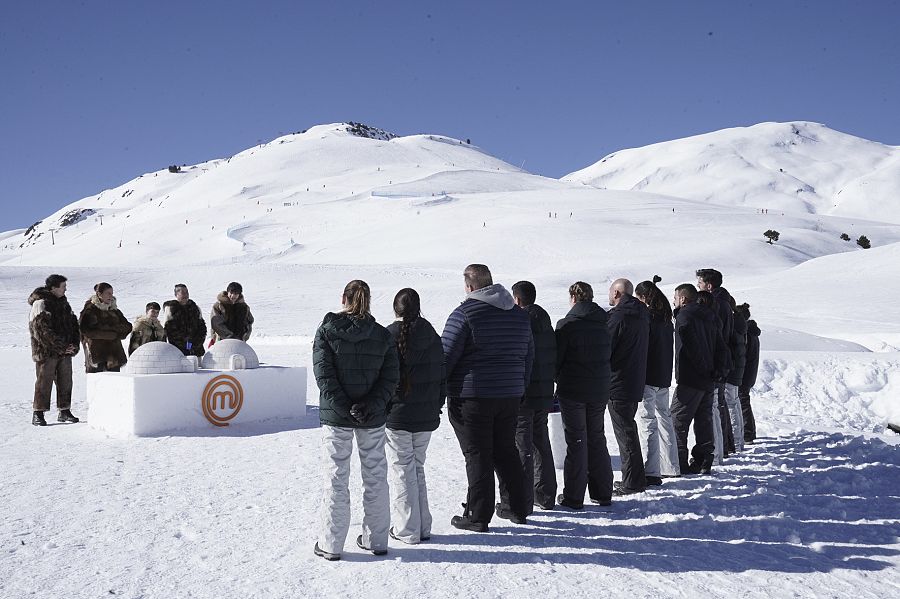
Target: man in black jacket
(532,436)
(629,331)
(700,358)
(710,279)
(582,387)
(488,356)
(750,369)
(184,324)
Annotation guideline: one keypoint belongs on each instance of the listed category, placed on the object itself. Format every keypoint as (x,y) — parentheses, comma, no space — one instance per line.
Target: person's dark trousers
(622,413)
(486,431)
(693,405)
(587,463)
(747,411)
(544,467)
(727,432)
(524,445)
(53,370)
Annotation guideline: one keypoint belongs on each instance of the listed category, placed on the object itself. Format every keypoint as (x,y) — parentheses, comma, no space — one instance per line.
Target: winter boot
(359,544)
(508,514)
(463,523)
(66,416)
(332,557)
(37,419)
(566,502)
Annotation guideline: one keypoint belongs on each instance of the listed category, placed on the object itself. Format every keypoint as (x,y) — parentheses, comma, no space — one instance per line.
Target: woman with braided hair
(659,445)
(413,413)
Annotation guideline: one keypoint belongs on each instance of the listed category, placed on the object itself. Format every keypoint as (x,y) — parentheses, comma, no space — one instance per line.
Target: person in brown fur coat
(54,340)
(146,328)
(231,317)
(103,327)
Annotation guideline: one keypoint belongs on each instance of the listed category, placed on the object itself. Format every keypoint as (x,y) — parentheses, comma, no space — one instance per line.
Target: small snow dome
(158,357)
(230,354)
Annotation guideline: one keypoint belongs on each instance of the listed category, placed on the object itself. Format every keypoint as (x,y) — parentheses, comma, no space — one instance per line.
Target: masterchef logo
(222,399)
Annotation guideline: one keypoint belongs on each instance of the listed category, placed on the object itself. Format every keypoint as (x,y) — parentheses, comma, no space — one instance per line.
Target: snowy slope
(784,167)
(812,510)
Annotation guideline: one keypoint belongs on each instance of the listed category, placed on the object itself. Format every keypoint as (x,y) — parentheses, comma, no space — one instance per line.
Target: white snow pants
(718,436)
(657,433)
(733,401)
(410,516)
(337,443)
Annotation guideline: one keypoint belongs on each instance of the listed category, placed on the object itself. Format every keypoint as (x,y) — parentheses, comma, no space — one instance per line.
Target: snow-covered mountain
(347,193)
(784,167)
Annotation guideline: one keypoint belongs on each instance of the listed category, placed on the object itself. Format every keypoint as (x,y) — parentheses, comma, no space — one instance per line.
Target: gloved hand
(359,412)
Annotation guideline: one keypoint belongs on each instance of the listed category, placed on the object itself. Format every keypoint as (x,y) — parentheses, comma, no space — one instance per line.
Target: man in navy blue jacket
(488,357)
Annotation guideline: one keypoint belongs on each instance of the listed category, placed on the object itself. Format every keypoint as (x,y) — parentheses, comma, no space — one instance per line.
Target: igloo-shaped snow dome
(230,354)
(159,357)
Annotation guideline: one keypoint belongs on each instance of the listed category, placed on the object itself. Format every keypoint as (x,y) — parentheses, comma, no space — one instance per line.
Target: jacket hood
(495,295)
(587,311)
(629,306)
(95,301)
(347,327)
(753,328)
(536,312)
(41,293)
(698,311)
(223,298)
(145,320)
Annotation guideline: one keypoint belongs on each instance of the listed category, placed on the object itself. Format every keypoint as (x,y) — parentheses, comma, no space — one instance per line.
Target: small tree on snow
(864,242)
(845,237)
(772,235)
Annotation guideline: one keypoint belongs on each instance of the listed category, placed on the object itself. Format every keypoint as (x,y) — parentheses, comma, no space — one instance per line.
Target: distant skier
(55,336)
(231,317)
(146,328)
(185,327)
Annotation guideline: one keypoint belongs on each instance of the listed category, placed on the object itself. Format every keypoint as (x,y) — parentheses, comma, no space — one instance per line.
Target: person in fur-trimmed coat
(231,317)
(103,327)
(146,328)
(54,340)
(185,327)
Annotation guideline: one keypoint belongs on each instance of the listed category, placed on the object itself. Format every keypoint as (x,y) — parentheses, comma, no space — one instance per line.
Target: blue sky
(94,93)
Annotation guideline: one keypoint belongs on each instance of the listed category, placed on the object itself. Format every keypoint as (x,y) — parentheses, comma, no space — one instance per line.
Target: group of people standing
(502,368)
(56,334)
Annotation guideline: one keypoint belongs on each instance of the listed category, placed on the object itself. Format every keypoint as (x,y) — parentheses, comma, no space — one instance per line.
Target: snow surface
(790,167)
(812,510)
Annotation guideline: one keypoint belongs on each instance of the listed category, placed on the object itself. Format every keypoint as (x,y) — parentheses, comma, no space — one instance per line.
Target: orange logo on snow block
(222,399)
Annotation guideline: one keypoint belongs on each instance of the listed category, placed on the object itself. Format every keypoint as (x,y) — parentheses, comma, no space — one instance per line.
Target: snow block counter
(128,404)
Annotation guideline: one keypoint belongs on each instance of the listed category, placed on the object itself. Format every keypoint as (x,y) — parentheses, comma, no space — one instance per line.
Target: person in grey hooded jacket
(488,357)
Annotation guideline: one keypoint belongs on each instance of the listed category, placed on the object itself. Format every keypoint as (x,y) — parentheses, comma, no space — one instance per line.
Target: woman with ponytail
(413,413)
(655,429)
(355,365)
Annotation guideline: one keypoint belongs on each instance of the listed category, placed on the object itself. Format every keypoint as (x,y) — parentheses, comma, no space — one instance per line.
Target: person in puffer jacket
(488,357)
(413,413)
(356,369)
(738,347)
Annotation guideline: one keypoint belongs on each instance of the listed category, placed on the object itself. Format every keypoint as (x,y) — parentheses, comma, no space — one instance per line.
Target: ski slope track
(811,510)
